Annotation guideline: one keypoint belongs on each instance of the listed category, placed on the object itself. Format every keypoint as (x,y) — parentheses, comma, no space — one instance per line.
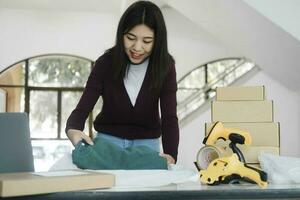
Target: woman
(133,77)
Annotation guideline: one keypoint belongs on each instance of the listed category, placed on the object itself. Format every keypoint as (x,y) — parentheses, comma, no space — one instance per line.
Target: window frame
(59,90)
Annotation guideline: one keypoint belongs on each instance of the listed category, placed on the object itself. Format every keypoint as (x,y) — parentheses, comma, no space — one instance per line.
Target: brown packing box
(251,153)
(248,93)
(19,184)
(262,134)
(242,111)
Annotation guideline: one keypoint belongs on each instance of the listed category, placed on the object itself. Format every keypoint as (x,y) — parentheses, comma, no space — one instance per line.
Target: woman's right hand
(76,136)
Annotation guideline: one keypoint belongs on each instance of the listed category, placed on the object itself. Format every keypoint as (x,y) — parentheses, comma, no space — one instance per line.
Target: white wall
(241,27)
(283,13)
(286,111)
(286,105)
(26,33)
(191,45)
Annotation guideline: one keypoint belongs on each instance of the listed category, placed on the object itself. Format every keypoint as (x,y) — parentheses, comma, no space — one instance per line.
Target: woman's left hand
(169,158)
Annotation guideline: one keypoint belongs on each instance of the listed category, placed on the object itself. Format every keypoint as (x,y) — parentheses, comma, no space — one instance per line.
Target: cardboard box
(251,153)
(244,93)
(19,184)
(263,134)
(242,111)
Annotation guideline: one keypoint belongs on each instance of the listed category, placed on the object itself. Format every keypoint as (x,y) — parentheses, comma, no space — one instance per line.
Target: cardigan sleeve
(90,95)
(169,121)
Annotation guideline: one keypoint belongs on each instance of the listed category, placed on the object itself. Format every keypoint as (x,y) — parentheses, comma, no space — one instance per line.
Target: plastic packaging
(280,169)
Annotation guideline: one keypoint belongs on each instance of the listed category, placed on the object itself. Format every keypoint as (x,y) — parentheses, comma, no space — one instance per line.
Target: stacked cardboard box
(246,108)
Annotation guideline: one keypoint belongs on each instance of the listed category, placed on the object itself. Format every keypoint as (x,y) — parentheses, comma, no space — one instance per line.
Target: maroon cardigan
(119,118)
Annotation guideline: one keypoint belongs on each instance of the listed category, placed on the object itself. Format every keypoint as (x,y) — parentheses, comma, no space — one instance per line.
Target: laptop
(15,145)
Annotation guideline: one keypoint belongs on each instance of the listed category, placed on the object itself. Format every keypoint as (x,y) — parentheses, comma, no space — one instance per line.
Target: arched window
(48,88)
(198,86)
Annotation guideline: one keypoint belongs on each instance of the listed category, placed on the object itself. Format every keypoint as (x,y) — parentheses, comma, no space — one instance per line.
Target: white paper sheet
(150,178)
(134,179)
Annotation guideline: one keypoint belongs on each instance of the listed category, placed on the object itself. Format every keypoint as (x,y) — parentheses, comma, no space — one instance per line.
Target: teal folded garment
(106,155)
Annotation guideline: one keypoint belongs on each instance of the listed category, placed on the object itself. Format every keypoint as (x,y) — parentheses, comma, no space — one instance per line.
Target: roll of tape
(209,153)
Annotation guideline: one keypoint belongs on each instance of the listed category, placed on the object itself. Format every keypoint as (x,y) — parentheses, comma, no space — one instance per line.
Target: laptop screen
(15,145)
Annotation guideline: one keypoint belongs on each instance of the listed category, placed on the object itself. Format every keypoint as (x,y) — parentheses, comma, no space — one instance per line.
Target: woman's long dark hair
(143,12)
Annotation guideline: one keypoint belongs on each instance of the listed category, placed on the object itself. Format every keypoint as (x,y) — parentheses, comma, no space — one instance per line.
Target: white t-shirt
(134,78)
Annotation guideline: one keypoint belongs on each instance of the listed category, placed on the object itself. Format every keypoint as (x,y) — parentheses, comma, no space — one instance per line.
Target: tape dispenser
(225,163)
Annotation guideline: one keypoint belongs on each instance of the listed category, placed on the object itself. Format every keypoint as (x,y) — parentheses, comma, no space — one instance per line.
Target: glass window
(58,71)
(190,84)
(43,119)
(199,85)
(216,68)
(47,152)
(72,98)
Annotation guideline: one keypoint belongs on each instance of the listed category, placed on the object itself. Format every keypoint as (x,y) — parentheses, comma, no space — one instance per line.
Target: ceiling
(64,5)
(112,6)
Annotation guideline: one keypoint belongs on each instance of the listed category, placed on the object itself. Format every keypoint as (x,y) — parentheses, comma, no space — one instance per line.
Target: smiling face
(138,43)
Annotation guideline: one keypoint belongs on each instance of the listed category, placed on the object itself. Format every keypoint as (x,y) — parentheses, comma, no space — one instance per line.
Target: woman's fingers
(87,139)
(76,136)
(169,158)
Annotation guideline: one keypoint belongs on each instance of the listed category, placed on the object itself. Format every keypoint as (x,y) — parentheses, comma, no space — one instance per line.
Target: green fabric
(105,155)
